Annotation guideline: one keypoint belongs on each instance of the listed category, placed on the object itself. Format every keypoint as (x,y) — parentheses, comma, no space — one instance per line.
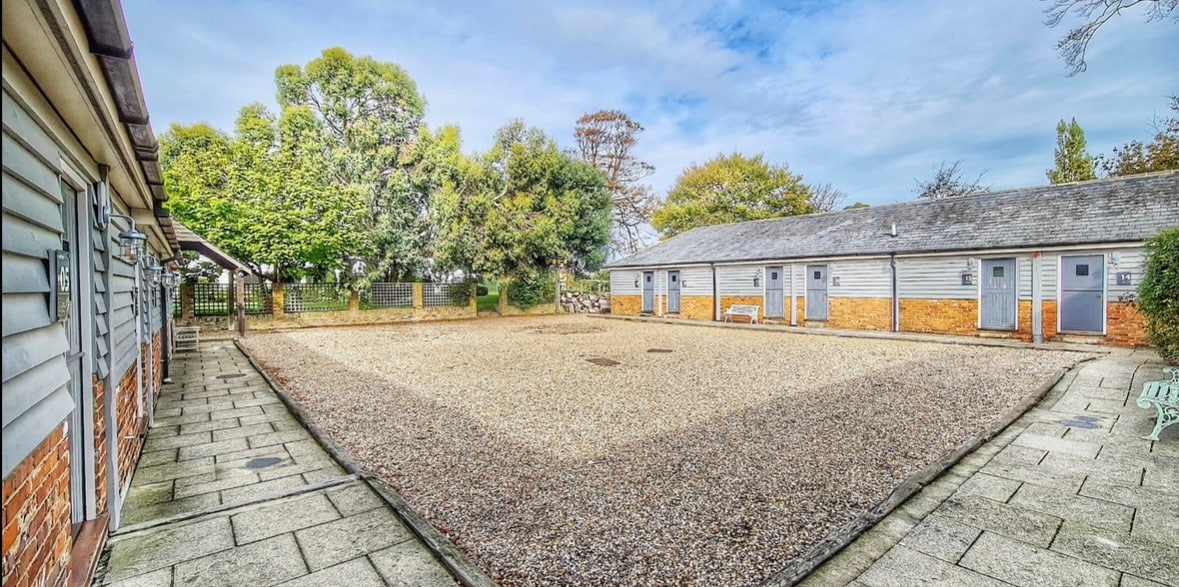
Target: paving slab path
(1070,494)
(231,489)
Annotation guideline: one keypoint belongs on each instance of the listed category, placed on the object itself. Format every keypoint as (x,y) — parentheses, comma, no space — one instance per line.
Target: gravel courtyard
(714,463)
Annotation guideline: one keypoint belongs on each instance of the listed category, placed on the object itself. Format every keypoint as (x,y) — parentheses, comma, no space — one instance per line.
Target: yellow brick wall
(728,301)
(860,313)
(939,316)
(626,305)
(695,308)
(1125,325)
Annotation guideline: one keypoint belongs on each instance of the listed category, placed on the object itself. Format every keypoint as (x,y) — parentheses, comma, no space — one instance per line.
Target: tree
(856,206)
(371,114)
(520,208)
(731,188)
(1094,14)
(1158,295)
(948,182)
(1073,163)
(606,139)
(1160,154)
(826,197)
(262,194)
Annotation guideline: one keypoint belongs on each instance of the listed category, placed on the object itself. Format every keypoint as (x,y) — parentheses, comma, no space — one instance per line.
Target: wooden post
(239,292)
(419,298)
(354,303)
(503,298)
(278,299)
(473,303)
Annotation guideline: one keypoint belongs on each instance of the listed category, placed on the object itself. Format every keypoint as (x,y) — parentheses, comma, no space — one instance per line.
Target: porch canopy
(191,241)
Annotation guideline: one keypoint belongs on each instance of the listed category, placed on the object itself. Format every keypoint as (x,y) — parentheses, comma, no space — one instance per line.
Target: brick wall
(696,307)
(101,454)
(860,313)
(939,316)
(1125,325)
(130,423)
(626,305)
(37,534)
(728,301)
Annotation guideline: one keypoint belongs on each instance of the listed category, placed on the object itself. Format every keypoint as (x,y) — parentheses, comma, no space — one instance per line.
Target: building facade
(1051,263)
(85,317)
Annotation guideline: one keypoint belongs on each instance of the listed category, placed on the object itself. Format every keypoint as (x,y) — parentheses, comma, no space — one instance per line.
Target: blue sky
(864,94)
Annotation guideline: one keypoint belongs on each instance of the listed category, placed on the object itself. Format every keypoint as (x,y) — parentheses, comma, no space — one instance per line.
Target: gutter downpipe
(1037,300)
(716,301)
(896,299)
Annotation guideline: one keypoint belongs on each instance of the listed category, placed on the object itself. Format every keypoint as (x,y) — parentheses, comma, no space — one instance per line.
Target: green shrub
(531,290)
(1158,295)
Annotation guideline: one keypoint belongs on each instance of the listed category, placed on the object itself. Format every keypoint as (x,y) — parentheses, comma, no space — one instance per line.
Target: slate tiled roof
(1115,210)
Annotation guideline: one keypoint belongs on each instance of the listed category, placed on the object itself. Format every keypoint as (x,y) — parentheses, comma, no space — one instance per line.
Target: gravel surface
(713,464)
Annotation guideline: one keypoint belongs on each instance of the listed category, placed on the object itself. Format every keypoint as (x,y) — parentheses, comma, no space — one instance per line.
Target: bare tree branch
(1094,14)
(826,197)
(947,182)
(605,140)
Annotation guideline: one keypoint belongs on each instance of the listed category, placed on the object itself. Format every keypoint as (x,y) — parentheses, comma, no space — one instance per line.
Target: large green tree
(263,193)
(1159,154)
(1073,162)
(371,115)
(731,188)
(521,207)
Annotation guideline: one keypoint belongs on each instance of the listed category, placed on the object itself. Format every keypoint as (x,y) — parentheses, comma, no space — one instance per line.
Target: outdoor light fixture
(757,278)
(171,279)
(153,271)
(132,243)
(636,280)
(968,273)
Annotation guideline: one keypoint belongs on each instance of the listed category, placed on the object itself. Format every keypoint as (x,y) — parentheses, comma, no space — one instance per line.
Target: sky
(868,95)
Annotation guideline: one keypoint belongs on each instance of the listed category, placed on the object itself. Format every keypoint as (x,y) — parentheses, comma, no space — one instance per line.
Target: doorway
(775,293)
(1082,294)
(72,288)
(648,292)
(998,293)
(816,292)
(673,292)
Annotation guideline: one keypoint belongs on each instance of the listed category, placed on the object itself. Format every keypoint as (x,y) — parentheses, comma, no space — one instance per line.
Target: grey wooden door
(71,320)
(998,283)
(673,292)
(648,291)
(816,292)
(1082,293)
(775,298)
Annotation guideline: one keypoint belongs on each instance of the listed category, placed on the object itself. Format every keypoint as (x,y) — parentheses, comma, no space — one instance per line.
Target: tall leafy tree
(606,140)
(948,181)
(1094,14)
(521,207)
(731,188)
(371,115)
(1073,162)
(1159,154)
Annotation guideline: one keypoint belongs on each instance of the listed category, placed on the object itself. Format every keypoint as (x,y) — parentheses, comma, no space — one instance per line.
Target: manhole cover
(603,362)
(230,376)
(658,350)
(262,463)
(1079,423)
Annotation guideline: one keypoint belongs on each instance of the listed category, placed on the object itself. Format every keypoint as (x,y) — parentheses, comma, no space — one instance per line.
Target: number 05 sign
(61,284)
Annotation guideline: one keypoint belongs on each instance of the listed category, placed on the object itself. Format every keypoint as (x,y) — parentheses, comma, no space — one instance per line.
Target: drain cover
(262,463)
(230,376)
(603,362)
(1079,423)
(658,350)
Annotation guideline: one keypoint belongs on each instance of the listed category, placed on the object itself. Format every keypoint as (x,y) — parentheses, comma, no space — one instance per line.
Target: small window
(774,275)
(675,277)
(1082,269)
(997,271)
(648,278)
(818,275)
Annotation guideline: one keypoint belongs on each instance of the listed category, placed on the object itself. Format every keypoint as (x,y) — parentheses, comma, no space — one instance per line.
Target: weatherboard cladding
(1107,211)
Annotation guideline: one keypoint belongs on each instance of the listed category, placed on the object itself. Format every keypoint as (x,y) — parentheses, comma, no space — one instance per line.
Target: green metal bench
(1163,396)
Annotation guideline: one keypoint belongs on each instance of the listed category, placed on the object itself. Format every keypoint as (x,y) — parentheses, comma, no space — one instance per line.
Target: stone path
(1070,494)
(233,490)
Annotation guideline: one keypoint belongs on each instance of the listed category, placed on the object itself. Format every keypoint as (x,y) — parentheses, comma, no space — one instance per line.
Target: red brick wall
(860,313)
(101,456)
(1125,325)
(939,316)
(37,534)
(130,424)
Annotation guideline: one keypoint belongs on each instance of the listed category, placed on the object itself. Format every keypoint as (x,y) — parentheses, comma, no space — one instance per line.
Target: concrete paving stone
(1019,455)
(164,431)
(265,417)
(324,474)
(1159,525)
(1162,478)
(176,470)
(247,492)
(252,453)
(1058,445)
(236,413)
(242,431)
(409,564)
(1109,471)
(282,516)
(1053,429)
(257,401)
(304,447)
(286,424)
(278,408)
(347,538)
(213,448)
(203,393)
(288,468)
(167,413)
(840,570)
(357,572)
(155,443)
(159,457)
(240,464)
(1036,474)
(149,493)
(1144,558)
(1100,393)
(136,513)
(1067,505)
(941,537)
(905,566)
(210,407)
(1012,521)
(216,485)
(272,438)
(158,578)
(1071,403)
(1132,581)
(240,566)
(1135,497)
(168,401)
(354,498)
(170,420)
(1111,406)
(208,425)
(1022,564)
(161,548)
(989,486)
